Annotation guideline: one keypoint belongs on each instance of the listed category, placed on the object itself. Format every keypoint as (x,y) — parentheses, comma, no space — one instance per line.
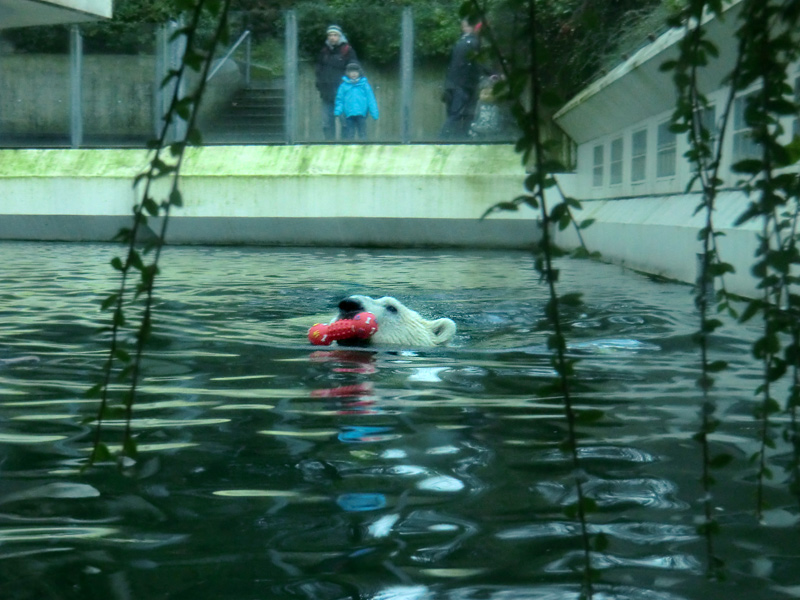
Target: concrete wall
(117,95)
(658,234)
(283,195)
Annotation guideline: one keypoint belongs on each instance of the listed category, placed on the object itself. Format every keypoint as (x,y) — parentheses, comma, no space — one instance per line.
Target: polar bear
(398,325)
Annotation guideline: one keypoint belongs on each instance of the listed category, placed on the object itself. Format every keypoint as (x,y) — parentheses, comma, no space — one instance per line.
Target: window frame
(666,150)
(742,145)
(615,163)
(598,166)
(639,156)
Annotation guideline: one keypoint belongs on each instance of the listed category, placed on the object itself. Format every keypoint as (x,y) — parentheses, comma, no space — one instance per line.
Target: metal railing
(229,53)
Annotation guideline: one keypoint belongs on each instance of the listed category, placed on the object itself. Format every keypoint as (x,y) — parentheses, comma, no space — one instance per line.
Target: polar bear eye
(392,309)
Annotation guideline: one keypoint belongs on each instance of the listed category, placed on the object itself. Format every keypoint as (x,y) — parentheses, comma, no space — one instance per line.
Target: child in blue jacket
(354,100)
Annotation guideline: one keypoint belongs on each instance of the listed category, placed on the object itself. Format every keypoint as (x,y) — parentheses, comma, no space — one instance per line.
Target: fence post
(159,92)
(168,56)
(248,51)
(407,73)
(290,78)
(76,86)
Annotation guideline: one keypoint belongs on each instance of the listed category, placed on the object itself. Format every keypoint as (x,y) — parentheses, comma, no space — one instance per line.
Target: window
(639,156)
(597,169)
(615,163)
(667,152)
(743,144)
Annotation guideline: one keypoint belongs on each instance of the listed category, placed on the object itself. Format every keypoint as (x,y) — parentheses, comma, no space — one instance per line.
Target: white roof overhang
(28,13)
(638,89)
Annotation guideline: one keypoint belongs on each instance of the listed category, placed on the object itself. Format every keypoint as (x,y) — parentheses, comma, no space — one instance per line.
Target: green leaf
(123,235)
(506,206)
(589,505)
(100,453)
(129,447)
(94,392)
(668,65)
(750,311)
(135,260)
(176,149)
(195,62)
(112,299)
(558,211)
(176,198)
(572,299)
(717,366)
(194,137)
(771,405)
(150,205)
(116,262)
(720,461)
(587,416)
(601,542)
(749,167)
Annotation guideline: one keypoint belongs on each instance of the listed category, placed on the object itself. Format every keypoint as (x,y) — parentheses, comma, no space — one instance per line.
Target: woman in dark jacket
(461,83)
(335,55)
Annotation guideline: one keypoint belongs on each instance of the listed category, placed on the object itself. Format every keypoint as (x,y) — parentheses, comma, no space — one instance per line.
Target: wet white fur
(403,326)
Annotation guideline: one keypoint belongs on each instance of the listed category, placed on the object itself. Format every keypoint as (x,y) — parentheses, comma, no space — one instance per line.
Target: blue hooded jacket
(355,98)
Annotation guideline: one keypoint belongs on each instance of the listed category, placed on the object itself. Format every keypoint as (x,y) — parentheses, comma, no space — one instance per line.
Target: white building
(631,169)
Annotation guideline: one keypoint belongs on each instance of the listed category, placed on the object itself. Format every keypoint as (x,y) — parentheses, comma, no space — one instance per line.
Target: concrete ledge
(347,195)
(283,231)
(359,232)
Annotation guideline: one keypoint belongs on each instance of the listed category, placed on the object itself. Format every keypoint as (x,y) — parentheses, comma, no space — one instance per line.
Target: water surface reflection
(271,469)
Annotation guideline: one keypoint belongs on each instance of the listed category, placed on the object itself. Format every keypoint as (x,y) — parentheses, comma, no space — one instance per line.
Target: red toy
(361,326)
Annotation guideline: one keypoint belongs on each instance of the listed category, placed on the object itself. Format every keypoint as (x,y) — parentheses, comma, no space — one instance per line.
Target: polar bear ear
(443,330)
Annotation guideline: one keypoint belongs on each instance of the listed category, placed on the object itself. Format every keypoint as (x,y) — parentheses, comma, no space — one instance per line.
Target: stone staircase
(255,115)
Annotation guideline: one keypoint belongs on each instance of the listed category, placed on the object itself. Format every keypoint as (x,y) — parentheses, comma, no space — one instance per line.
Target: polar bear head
(398,325)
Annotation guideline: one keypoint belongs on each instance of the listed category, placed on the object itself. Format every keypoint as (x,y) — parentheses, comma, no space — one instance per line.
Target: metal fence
(257,92)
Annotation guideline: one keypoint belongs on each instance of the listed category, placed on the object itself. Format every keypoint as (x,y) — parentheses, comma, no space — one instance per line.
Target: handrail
(227,55)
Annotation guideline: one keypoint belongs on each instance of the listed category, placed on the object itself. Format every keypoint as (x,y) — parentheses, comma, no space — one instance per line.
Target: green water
(273,469)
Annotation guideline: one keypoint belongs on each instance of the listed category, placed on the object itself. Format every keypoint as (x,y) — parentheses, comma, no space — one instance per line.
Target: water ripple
(665,562)
(638,533)
(618,493)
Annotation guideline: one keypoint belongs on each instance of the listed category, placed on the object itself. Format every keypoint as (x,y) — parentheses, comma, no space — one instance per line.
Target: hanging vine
(706,141)
(767,45)
(768,34)
(123,365)
(521,76)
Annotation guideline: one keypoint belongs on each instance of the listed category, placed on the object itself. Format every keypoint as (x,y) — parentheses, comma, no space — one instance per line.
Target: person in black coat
(335,55)
(461,83)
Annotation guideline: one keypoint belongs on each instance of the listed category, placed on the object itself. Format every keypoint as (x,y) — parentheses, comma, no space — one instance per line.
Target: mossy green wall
(389,195)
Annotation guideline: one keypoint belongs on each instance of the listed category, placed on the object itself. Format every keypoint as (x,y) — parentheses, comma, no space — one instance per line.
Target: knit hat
(352,67)
(333,29)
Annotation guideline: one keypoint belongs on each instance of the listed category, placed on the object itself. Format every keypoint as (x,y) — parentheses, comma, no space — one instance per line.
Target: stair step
(256,108)
(255,114)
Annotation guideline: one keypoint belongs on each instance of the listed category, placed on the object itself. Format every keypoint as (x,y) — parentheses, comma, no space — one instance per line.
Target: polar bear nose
(349,305)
